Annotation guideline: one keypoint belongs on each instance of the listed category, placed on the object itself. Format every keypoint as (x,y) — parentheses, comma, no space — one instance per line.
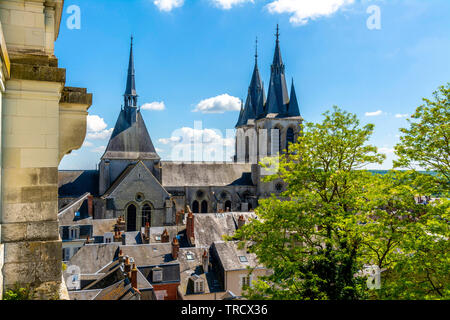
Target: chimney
(134,272)
(205,261)
(190,228)
(165,237)
(147,230)
(120,256)
(175,248)
(90,200)
(127,265)
(117,236)
(241,221)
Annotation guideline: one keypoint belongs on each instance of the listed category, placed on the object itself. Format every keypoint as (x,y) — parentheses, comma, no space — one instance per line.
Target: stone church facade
(132,181)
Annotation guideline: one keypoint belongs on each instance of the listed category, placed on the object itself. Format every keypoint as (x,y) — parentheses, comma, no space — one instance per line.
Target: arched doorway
(289,137)
(228,205)
(131,218)
(146,215)
(195,207)
(204,206)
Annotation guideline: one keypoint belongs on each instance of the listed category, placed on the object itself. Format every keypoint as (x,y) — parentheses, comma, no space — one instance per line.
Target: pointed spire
(241,114)
(256,51)
(130,92)
(278,96)
(293,110)
(256,97)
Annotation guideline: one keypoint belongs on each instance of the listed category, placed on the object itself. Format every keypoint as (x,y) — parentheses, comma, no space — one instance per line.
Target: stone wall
(39,120)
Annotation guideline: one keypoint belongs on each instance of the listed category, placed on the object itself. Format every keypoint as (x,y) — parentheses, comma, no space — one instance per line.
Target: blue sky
(199,54)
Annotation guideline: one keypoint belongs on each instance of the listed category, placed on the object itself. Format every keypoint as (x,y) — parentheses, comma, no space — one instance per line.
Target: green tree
(311,239)
(426,143)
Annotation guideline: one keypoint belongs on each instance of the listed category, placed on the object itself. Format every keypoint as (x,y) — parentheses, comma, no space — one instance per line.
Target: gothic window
(131,218)
(289,137)
(146,215)
(204,206)
(195,207)
(228,205)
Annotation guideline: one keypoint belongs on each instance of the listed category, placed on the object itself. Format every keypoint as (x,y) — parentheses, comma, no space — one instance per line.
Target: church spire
(293,110)
(256,97)
(130,92)
(278,96)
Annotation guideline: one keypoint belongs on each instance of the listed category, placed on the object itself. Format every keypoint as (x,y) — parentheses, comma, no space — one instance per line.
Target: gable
(138,179)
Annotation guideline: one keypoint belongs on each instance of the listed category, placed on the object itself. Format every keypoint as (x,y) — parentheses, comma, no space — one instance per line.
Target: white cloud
(96,128)
(374,114)
(302,11)
(228,4)
(168,5)
(399,115)
(189,144)
(95,123)
(100,149)
(219,104)
(159,150)
(101,135)
(88,144)
(155,106)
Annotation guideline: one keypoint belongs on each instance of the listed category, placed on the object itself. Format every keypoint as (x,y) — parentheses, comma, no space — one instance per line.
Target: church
(133,182)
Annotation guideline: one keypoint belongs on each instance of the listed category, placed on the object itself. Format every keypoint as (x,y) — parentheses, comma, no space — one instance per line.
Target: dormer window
(199,286)
(74,233)
(189,256)
(157,275)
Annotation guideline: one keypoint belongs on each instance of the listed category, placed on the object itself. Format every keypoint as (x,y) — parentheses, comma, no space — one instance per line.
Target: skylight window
(189,256)
(243,259)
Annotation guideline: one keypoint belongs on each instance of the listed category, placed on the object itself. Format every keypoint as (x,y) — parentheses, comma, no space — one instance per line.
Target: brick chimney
(205,261)
(133,279)
(241,221)
(127,265)
(190,228)
(175,248)
(147,230)
(117,236)
(165,237)
(121,256)
(90,200)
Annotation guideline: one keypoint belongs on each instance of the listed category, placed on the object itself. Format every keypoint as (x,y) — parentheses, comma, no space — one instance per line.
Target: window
(228,205)
(74,233)
(289,137)
(146,215)
(245,281)
(139,197)
(199,286)
(189,256)
(247,149)
(157,275)
(243,259)
(204,206)
(131,218)
(195,207)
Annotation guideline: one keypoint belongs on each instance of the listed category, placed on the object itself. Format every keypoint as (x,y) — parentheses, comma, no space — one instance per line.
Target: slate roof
(175,174)
(93,257)
(195,266)
(130,141)
(228,253)
(149,254)
(211,227)
(170,272)
(101,226)
(74,184)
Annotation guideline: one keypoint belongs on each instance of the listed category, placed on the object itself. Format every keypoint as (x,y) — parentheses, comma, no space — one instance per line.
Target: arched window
(195,207)
(228,205)
(204,206)
(276,137)
(289,137)
(131,218)
(146,215)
